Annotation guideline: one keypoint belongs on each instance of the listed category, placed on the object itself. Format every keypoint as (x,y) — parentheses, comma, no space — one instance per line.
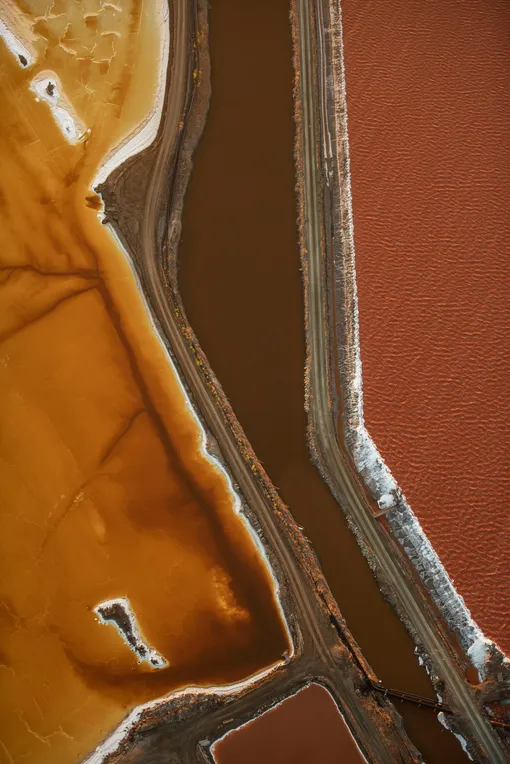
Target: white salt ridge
(147,131)
(479,652)
(143,651)
(237,504)
(112,743)
(386,501)
(47,87)
(406,528)
(462,740)
(136,143)
(22,53)
(133,146)
(115,739)
(100,754)
(151,127)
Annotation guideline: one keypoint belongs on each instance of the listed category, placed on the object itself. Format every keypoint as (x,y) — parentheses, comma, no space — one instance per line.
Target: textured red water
(305,728)
(429,106)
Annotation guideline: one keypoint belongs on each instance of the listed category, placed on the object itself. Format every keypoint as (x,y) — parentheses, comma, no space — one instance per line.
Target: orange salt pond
(126,570)
(304,729)
(428,108)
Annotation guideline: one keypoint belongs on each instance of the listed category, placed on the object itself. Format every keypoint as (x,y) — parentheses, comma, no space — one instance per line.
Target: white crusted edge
(280,702)
(115,739)
(134,145)
(369,463)
(145,133)
(141,648)
(462,740)
(16,46)
(48,88)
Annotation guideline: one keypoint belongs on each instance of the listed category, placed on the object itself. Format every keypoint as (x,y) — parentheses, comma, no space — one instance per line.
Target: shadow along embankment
(240,280)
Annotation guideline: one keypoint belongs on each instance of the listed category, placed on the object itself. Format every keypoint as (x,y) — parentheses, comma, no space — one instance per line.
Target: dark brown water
(303,729)
(242,290)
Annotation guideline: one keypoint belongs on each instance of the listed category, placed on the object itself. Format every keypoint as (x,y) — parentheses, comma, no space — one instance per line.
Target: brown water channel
(241,285)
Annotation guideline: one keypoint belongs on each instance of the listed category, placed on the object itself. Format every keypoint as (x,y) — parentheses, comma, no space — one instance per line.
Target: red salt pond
(304,729)
(428,101)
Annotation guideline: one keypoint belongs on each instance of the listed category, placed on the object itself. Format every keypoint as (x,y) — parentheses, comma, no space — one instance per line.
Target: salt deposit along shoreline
(484,653)
(326,234)
(115,271)
(309,623)
(131,146)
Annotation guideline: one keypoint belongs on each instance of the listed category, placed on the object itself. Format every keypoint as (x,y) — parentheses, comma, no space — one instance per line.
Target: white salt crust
(74,131)
(48,88)
(23,55)
(143,651)
(367,459)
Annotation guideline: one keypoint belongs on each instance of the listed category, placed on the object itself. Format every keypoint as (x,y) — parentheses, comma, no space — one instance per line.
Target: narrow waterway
(241,286)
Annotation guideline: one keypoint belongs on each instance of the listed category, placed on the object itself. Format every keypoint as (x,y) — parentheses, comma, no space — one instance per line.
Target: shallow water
(239,276)
(105,491)
(429,107)
(305,728)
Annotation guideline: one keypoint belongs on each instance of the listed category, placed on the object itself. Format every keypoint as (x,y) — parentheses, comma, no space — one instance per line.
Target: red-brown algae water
(429,107)
(106,492)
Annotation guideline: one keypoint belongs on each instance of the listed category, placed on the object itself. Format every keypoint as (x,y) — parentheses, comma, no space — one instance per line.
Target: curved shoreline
(328,234)
(370,465)
(304,594)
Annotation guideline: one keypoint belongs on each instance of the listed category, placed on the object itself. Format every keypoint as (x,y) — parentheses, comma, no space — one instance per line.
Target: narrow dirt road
(406,594)
(319,652)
